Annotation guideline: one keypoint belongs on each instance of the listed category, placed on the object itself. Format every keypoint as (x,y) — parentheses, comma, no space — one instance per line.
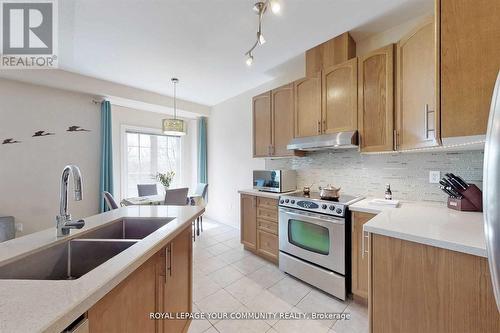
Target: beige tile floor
(226,278)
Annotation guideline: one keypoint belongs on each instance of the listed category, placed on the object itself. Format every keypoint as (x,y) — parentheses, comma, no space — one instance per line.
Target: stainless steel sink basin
(66,261)
(128,228)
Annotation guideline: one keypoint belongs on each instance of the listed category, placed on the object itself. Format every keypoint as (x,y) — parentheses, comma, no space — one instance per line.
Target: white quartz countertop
(265,194)
(427,223)
(51,305)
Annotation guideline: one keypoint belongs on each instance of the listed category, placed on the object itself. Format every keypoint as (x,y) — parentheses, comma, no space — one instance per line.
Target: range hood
(340,140)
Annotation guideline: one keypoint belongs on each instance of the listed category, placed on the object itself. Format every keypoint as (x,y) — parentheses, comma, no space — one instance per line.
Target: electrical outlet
(19,227)
(434,177)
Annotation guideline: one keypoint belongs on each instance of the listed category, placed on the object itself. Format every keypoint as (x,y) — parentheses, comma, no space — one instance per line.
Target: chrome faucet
(63,220)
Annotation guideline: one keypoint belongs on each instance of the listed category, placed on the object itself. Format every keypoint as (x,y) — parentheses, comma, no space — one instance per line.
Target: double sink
(75,257)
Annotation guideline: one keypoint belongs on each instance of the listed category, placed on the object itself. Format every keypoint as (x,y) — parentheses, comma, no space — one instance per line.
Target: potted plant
(165,178)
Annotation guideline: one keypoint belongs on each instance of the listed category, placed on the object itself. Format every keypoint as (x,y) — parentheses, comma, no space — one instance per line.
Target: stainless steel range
(313,236)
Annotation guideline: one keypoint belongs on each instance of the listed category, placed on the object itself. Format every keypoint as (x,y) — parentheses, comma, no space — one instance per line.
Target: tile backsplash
(367,174)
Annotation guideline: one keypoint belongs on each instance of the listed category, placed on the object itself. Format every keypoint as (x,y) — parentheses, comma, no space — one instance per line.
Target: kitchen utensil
(446,183)
(306,190)
(456,184)
(329,192)
(454,193)
(445,190)
(462,183)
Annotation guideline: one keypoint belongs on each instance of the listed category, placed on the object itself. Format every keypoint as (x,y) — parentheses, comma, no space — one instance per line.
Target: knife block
(472,200)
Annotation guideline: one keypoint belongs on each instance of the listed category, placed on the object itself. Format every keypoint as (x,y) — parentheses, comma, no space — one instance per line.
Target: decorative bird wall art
(41,133)
(10,141)
(76,129)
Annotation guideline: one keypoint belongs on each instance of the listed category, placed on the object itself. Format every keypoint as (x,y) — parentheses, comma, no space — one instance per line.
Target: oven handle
(312,215)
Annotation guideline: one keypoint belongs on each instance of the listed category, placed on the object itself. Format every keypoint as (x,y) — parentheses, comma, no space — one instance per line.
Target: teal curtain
(106,179)
(202,150)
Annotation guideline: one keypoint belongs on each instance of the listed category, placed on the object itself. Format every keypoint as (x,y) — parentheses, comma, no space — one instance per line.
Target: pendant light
(174,127)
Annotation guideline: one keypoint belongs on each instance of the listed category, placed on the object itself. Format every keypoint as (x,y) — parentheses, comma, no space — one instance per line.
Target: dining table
(158,199)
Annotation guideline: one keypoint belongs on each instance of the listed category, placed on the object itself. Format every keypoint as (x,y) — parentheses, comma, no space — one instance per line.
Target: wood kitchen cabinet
(470,61)
(262,125)
(282,106)
(259,226)
(307,92)
(376,100)
(332,52)
(418,116)
(175,281)
(340,97)
(421,288)
(126,308)
(248,221)
(273,122)
(161,284)
(359,257)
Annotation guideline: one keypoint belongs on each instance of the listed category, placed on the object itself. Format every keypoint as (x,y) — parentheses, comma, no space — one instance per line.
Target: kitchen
(338,176)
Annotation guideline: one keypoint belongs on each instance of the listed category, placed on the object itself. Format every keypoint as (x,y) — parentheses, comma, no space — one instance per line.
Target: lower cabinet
(259,226)
(162,284)
(421,288)
(359,257)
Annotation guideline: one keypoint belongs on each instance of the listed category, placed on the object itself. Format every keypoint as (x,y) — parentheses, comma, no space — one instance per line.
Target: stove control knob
(282,201)
(287,200)
(332,207)
(339,211)
(323,206)
(292,202)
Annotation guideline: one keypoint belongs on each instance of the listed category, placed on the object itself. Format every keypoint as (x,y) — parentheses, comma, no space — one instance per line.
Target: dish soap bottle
(388,193)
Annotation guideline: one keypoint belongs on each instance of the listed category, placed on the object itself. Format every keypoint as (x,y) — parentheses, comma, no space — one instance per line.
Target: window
(145,155)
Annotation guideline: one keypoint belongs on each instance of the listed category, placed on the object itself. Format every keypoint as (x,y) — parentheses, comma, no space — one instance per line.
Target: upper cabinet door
(262,125)
(283,124)
(417,110)
(340,97)
(470,60)
(376,100)
(307,94)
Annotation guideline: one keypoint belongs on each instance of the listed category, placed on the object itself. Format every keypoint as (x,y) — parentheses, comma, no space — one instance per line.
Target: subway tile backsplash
(367,174)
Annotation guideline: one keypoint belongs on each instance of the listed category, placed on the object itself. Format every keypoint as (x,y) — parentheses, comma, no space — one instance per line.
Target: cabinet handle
(426,120)
(365,236)
(395,139)
(319,126)
(170,268)
(324,126)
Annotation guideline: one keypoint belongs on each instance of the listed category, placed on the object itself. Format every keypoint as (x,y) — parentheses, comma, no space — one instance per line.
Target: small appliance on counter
(277,181)
(461,195)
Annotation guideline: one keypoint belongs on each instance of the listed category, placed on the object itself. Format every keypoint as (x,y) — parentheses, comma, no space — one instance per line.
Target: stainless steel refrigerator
(491,191)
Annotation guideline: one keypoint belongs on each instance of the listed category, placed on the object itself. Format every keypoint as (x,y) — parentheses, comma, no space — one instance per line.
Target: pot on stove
(329,192)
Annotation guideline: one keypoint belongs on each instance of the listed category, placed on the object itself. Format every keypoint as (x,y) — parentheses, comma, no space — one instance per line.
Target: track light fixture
(260,9)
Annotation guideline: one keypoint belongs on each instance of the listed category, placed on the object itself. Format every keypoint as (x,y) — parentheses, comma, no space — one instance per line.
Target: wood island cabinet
(418,116)
(376,100)
(161,284)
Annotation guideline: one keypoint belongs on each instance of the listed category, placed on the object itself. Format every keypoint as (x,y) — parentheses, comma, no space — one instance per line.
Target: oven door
(316,238)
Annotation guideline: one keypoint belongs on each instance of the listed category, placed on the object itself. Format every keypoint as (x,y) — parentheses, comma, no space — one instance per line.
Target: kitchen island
(36,305)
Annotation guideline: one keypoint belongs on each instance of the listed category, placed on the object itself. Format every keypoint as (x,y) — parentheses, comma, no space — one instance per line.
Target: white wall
(230,162)
(30,171)
(122,116)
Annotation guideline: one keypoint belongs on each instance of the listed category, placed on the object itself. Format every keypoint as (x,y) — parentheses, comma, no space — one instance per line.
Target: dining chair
(201,191)
(177,196)
(110,201)
(144,190)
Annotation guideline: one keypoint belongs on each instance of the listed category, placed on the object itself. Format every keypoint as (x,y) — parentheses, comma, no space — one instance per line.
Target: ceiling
(143,43)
